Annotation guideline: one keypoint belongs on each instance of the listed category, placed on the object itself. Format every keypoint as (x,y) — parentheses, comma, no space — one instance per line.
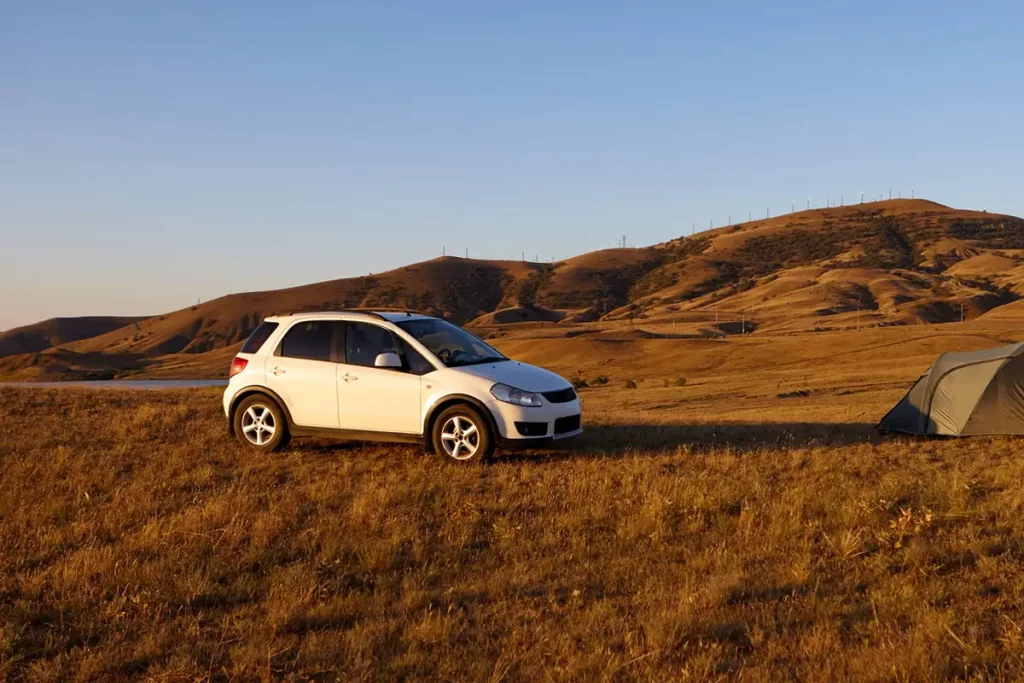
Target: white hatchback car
(391,377)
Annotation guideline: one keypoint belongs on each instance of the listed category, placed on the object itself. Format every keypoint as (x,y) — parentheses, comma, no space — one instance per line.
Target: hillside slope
(457,288)
(883,263)
(896,262)
(56,331)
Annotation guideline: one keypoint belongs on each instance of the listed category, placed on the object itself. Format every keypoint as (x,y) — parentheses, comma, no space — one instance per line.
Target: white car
(390,376)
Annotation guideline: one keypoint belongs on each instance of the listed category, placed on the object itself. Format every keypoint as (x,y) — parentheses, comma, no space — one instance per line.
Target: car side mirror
(388,360)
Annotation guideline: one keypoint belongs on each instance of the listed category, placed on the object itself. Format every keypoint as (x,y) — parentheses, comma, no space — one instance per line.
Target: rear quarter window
(258,337)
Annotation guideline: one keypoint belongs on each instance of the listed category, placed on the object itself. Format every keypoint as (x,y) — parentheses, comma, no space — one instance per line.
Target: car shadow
(613,441)
(630,440)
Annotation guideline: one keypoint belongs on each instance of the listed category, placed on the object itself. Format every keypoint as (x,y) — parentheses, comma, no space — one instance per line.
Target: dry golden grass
(675,541)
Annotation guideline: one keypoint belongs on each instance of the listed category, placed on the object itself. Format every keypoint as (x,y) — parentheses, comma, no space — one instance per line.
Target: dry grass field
(745,524)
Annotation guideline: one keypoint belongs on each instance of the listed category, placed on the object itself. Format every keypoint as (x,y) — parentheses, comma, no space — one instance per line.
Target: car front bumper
(549,422)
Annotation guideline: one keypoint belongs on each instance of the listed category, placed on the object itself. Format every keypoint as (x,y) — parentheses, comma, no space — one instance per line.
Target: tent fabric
(906,415)
(980,392)
(957,394)
(1000,409)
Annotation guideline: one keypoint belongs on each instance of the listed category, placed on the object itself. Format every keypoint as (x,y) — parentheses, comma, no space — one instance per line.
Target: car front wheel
(462,436)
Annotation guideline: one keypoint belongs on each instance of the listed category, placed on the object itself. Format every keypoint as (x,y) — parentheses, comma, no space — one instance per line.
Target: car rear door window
(365,341)
(312,340)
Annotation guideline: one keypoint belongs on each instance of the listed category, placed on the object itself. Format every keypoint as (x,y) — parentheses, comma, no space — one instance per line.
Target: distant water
(150,384)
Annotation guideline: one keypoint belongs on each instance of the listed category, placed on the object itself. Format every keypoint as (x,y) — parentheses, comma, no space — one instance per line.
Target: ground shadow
(615,441)
(630,439)
(328,446)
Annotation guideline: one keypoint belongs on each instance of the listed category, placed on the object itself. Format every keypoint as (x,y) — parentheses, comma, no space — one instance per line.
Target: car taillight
(237,365)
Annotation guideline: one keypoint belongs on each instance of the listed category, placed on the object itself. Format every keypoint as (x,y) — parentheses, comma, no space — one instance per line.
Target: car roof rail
(374,312)
(377,311)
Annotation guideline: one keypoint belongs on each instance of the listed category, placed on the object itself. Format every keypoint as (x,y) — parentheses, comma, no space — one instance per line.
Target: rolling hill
(56,331)
(885,263)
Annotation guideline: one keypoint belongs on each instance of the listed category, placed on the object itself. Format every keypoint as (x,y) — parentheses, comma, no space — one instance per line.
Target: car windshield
(452,345)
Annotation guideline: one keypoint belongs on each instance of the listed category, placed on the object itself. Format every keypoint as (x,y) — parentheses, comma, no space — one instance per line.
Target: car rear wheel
(260,423)
(462,436)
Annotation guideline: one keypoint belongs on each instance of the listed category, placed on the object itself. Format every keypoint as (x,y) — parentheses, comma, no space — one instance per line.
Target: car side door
(373,399)
(303,372)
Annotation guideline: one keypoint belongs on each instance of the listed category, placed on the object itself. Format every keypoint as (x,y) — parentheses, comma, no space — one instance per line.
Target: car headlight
(516,397)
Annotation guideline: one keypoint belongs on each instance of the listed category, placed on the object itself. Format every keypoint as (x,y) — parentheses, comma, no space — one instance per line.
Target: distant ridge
(56,331)
(900,261)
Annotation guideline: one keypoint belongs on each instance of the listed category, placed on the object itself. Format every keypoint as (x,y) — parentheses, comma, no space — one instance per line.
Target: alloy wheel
(460,437)
(258,424)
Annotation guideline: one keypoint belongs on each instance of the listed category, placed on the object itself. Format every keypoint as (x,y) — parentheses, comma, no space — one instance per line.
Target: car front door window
(364,342)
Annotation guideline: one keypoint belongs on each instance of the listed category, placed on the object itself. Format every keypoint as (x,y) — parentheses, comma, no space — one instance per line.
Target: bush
(580,383)
(680,382)
(630,384)
(526,292)
(599,380)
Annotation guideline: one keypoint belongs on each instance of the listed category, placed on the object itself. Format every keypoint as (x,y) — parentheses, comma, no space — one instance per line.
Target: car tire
(461,436)
(260,423)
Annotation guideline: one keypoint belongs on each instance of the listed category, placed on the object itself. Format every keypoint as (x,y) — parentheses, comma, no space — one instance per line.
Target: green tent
(965,394)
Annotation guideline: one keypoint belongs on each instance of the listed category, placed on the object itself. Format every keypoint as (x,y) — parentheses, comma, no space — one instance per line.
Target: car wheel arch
(458,399)
(252,391)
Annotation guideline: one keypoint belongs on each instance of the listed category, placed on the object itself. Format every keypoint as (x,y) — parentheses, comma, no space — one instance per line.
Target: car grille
(564,425)
(560,396)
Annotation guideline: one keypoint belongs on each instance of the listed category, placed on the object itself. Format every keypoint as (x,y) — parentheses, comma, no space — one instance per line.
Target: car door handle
(349,377)
(278,371)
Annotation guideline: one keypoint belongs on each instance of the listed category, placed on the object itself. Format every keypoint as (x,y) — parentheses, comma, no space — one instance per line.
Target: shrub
(680,382)
(599,380)
(580,383)
(526,292)
(630,384)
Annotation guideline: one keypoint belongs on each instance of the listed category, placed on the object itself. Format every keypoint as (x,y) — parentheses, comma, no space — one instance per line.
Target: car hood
(518,375)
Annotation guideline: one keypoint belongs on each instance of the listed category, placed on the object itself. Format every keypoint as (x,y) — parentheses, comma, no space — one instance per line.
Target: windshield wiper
(479,361)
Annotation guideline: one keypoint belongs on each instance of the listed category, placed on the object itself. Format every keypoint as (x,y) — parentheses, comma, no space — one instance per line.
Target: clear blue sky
(152,153)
